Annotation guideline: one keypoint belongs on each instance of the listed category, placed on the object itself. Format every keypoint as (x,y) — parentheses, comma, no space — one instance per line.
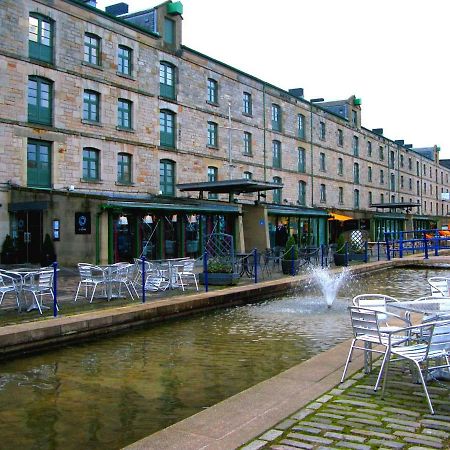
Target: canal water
(108,393)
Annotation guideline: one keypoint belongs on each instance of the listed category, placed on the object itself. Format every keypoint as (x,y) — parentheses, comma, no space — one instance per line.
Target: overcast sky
(393,54)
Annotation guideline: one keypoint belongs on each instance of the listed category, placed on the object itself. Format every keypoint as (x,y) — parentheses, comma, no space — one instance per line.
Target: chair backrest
(439,286)
(437,335)
(188,265)
(376,302)
(7,281)
(365,322)
(45,279)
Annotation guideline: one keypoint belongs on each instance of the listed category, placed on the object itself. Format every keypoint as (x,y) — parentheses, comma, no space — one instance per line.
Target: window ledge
(167,98)
(247,114)
(250,155)
(91,122)
(213,147)
(122,183)
(93,66)
(86,180)
(212,103)
(127,130)
(124,75)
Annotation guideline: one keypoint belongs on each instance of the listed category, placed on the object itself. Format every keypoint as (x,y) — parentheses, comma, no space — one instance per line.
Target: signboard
(82,223)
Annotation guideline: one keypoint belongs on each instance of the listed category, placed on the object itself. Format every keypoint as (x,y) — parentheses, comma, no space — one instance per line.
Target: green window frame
(248,175)
(301,160)
(340,167)
(124,168)
(340,140)
(167,128)
(167,177)
(91,164)
(370,199)
(277,193)
(40,99)
(392,160)
(276,154)
(40,38)
(381,152)
(276,117)
(341,196)
(212,91)
(322,162)
(247,103)
(369,174)
(92,49)
(302,193)
(167,80)
(212,176)
(301,126)
(356,198)
(356,173)
(392,182)
(39,163)
(323,193)
(381,176)
(322,131)
(124,60)
(212,135)
(124,114)
(355,146)
(247,143)
(91,106)
(169,31)
(369,148)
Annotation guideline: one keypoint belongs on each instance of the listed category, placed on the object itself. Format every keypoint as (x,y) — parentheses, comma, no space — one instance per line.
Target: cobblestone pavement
(353,416)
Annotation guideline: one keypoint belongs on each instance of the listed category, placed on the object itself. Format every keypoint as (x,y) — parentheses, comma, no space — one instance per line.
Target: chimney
(117,9)
(378,131)
(400,142)
(297,92)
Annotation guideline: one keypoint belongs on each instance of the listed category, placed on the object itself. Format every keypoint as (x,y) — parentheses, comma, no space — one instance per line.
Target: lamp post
(230,160)
(313,100)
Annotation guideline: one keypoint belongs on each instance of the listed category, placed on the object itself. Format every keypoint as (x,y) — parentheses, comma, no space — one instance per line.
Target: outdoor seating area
(414,332)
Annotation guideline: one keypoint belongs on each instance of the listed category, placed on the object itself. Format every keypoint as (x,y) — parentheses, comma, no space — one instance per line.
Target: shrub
(340,245)
(219,266)
(8,244)
(291,250)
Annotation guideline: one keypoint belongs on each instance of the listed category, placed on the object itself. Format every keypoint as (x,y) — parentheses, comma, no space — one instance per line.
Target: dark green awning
(293,211)
(203,207)
(389,216)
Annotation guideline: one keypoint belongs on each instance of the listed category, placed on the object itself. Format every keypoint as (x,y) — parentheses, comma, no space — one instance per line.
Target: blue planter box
(219,279)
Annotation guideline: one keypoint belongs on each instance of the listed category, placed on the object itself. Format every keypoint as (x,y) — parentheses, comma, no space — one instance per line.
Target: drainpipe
(312,157)
(264,132)
(97,237)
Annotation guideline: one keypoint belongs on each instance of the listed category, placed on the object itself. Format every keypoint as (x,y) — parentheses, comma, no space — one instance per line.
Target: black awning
(399,205)
(230,186)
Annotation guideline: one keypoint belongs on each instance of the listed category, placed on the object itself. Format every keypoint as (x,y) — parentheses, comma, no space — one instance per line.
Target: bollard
(255,259)
(292,261)
(436,244)
(321,255)
(378,249)
(205,269)
(388,253)
(143,279)
(366,252)
(55,289)
(346,254)
(425,245)
(400,249)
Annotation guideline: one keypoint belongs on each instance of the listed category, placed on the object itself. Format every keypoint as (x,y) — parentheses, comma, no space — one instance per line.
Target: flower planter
(339,259)
(286,266)
(219,279)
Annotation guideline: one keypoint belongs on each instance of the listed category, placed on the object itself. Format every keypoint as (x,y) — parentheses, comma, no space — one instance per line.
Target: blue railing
(402,243)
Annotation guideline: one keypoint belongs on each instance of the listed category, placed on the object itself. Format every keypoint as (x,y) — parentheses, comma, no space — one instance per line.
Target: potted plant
(8,251)
(220,272)
(290,253)
(340,258)
(48,255)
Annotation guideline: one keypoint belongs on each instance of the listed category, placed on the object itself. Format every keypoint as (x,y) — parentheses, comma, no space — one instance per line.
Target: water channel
(108,393)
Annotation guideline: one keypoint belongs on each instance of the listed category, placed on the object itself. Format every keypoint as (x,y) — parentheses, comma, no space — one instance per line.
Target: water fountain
(329,282)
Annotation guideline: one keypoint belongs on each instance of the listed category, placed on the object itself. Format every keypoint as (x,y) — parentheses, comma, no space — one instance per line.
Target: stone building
(106,115)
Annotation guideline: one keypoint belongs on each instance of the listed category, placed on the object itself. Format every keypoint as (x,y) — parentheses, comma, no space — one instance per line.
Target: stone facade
(68,133)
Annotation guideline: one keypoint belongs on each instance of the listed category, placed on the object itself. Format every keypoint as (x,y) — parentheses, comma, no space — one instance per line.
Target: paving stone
(437,433)
(282,447)
(331,416)
(416,447)
(358,375)
(438,416)
(354,403)
(394,426)
(372,433)
(415,435)
(255,445)
(375,423)
(317,418)
(306,429)
(323,426)
(436,424)
(314,405)
(406,423)
(338,407)
(324,398)
(336,391)
(302,414)
(404,412)
(353,445)
(305,437)
(285,424)
(346,437)
(346,384)
(271,435)
(373,412)
(389,444)
(296,444)
(417,440)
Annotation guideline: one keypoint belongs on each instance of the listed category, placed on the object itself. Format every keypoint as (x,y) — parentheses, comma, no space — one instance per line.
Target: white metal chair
(439,286)
(9,284)
(156,283)
(432,343)
(187,273)
(366,333)
(123,275)
(39,284)
(379,302)
(91,276)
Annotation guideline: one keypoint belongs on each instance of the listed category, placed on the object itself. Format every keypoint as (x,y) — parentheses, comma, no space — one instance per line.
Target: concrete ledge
(32,336)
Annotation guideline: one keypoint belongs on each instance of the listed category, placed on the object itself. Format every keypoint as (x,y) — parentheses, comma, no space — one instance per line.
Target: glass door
(27,231)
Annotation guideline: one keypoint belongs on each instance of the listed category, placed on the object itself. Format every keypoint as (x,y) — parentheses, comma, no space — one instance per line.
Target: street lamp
(230,161)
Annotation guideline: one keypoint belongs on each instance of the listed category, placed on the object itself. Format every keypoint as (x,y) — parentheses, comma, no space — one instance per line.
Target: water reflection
(109,393)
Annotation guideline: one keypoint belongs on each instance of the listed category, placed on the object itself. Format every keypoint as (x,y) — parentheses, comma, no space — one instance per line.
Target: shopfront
(382,223)
(308,226)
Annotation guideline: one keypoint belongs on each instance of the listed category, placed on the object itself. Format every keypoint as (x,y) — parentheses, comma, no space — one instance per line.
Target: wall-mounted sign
(56,229)
(82,223)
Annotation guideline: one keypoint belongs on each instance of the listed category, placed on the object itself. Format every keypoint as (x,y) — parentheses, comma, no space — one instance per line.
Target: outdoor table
(172,265)
(20,274)
(245,266)
(428,307)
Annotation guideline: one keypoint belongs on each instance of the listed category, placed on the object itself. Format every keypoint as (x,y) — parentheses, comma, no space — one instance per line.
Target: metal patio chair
(439,286)
(91,276)
(367,334)
(9,284)
(39,284)
(186,273)
(430,343)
